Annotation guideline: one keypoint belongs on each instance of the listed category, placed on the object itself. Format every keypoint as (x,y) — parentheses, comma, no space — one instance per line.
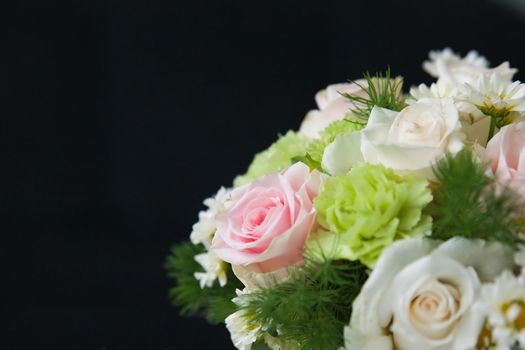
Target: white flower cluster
(477,90)
(203,231)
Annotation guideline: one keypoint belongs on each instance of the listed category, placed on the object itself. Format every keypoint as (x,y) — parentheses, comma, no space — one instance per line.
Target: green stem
(492,128)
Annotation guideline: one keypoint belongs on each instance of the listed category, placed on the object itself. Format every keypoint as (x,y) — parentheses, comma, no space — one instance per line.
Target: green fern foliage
(310,310)
(382,91)
(465,204)
(213,303)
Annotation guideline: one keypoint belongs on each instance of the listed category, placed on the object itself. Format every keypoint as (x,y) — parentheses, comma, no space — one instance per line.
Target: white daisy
(504,304)
(469,114)
(214,269)
(491,92)
(205,228)
(436,90)
(453,70)
(243,332)
(449,59)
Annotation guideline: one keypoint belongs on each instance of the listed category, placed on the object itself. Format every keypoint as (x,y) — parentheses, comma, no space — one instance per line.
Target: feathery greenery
(214,303)
(310,310)
(466,205)
(382,90)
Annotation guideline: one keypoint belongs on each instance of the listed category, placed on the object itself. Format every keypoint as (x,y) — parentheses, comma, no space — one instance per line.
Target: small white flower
(475,124)
(453,70)
(243,334)
(239,300)
(242,330)
(503,303)
(205,228)
(445,63)
(493,91)
(436,90)
(439,90)
(219,201)
(214,269)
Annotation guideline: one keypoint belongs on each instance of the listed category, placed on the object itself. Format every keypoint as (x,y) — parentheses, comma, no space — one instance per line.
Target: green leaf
(308,160)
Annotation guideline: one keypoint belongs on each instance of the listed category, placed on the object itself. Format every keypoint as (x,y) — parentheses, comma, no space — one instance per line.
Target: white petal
(477,131)
(381,116)
(253,278)
(313,123)
(356,341)
(404,287)
(343,153)
(366,315)
(475,252)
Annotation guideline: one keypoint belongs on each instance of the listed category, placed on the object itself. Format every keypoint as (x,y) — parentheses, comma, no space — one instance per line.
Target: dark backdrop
(121,116)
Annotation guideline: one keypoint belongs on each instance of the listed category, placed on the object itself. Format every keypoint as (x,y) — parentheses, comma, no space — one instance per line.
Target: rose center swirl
(435,302)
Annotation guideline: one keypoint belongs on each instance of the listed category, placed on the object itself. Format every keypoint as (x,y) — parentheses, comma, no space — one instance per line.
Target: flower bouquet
(387,221)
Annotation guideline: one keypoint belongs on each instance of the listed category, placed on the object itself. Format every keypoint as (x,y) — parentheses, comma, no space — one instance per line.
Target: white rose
(453,70)
(453,73)
(420,293)
(332,107)
(413,139)
(474,123)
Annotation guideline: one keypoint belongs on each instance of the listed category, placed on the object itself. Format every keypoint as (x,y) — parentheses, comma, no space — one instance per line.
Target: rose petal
(474,253)
(287,248)
(401,142)
(269,220)
(253,278)
(357,341)
(366,315)
(332,107)
(343,153)
(408,281)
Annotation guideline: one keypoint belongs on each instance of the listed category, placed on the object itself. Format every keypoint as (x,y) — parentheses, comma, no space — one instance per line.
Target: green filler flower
(368,209)
(276,158)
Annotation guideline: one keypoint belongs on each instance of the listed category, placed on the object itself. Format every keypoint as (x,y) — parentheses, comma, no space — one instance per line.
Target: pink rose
(268,221)
(332,106)
(506,152)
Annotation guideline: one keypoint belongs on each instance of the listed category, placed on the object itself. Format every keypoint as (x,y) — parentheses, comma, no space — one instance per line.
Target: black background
(122,116)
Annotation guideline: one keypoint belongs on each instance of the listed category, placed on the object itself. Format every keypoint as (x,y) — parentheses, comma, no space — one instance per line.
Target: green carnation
(368,209)
(328,135)
(276,158)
